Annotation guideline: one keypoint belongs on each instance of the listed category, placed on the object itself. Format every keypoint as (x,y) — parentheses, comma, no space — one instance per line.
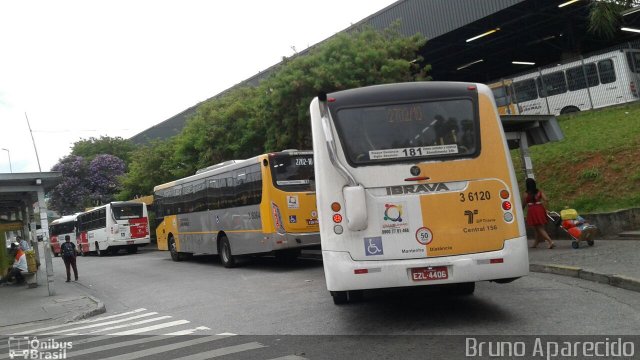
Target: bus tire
(100,252)
(288,256)
(173,249)
(224,250)
(339,297)
(461,289)
(569,109)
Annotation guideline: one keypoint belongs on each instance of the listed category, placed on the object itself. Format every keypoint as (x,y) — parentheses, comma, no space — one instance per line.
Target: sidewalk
(20,304)
(613,262)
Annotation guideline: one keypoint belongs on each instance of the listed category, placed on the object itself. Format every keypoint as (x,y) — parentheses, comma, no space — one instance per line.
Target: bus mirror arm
(331,144)
(354,195)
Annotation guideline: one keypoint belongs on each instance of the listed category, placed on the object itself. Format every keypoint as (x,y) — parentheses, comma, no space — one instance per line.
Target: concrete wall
(609,224)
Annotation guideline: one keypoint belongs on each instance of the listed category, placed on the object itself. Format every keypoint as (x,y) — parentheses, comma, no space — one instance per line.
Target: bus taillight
(337,218)
(506,205)
(504,194)
(336,206)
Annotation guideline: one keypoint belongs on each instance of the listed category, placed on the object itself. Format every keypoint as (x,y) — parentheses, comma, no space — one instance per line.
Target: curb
(99,309)
(620,281)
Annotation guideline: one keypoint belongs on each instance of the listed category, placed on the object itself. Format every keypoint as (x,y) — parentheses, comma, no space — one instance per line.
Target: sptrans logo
(31,348)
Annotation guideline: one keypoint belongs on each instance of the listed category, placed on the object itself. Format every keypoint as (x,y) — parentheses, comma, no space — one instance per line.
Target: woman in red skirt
(536,213)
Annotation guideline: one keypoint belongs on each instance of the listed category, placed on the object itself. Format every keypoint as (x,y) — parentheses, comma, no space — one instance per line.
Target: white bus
(593,82)
(114,226)
(58,229)
(415,186)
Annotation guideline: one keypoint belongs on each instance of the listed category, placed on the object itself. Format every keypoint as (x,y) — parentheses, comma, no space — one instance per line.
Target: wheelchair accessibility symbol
(373,246)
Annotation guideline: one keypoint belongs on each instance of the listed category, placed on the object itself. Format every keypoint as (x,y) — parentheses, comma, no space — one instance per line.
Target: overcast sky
(81,69)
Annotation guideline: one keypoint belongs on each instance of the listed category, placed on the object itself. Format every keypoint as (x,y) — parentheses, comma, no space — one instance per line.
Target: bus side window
(607,72)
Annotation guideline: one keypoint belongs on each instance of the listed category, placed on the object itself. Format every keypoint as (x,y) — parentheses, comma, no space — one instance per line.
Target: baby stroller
(575,225)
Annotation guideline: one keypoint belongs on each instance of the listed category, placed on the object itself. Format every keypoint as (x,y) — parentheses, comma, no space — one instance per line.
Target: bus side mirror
(355,206)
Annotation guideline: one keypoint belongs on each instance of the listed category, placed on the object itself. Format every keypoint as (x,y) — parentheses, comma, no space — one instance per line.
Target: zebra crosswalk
(132,334)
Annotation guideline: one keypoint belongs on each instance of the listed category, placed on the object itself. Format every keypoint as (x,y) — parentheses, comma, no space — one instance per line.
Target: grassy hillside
(596,168)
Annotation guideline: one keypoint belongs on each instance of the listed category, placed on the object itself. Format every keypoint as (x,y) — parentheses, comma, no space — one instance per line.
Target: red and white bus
(114,226)
(58,229)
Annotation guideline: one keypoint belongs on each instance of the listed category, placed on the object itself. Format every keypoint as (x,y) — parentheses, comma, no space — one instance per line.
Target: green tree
(247,121)
(151,165)
(222,129)
(605,17)
(349,60)
(91,147)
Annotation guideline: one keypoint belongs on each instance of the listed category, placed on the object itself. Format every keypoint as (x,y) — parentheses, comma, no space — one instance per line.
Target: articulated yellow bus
(415,187)
(265,204)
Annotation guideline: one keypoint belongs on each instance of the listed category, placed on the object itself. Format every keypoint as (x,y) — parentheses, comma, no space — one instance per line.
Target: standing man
(68,251)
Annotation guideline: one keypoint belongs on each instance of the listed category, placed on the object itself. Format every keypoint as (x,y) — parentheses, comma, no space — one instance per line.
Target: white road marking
(132,324)
(101,324)
(223,351)
(151,328)
(92,320)
(164,348)
(188,331)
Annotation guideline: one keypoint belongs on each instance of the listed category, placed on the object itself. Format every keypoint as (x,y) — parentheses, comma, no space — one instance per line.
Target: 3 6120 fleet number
(475,196)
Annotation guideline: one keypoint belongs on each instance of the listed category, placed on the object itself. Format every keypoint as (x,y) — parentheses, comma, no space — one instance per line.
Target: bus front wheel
(173,249)
(226,258)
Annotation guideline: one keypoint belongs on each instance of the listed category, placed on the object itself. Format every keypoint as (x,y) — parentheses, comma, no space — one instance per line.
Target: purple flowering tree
(71,193)
(104,178)
(85,184)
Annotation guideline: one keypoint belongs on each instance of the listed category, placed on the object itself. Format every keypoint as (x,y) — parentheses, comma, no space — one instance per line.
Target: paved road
(159,309)
(264,298)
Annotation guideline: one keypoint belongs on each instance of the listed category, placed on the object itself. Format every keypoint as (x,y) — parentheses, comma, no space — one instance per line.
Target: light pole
(9,155)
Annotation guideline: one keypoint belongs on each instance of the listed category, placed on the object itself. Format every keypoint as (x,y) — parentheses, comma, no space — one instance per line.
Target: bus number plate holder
(430,273)
(130,242)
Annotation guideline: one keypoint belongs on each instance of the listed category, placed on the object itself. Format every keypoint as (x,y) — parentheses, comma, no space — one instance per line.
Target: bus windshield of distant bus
(128,211)
(292,173)
(437,129)
(62,228)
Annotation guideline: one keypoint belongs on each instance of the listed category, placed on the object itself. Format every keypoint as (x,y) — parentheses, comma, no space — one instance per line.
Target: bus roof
(204,173)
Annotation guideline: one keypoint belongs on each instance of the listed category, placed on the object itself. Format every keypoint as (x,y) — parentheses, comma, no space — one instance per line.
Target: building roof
(535,30)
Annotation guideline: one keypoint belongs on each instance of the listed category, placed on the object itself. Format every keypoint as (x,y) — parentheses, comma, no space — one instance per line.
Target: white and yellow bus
(265,204)
(415,186)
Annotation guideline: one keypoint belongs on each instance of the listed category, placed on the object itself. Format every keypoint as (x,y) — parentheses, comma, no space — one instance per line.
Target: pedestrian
(19,265)
(24,244)
(68,251)
(535,201)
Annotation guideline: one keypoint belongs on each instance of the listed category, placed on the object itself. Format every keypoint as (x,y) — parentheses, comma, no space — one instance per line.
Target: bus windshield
(407,132)
(127,211)
(293,172)
(62,228)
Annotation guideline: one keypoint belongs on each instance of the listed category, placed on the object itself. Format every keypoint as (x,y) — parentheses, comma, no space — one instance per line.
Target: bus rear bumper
(296,240)
(342,273)
(126,243)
